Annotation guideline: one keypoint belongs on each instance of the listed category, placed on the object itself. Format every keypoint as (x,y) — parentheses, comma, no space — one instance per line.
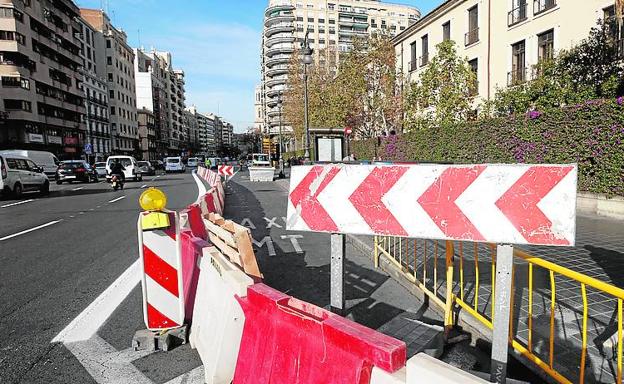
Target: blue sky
(216,43)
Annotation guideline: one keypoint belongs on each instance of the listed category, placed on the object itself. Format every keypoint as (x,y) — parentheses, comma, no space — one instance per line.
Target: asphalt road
(73,245)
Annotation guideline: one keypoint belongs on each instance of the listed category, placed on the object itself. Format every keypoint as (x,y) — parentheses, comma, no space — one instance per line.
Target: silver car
(100,169)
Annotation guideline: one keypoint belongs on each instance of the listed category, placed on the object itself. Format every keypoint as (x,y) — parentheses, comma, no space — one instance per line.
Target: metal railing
(517,76)
(535,283)
(471,36)
(423,60)
(540,6)
(517,15)
(412,65)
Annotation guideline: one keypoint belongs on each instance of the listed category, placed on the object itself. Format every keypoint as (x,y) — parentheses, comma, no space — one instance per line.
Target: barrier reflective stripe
(191,251)
(162,282)
(286,340)
(218,318)
(423,368)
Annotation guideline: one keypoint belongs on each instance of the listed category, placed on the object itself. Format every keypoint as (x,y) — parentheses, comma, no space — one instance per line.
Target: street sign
(88,149)
(515,204)
(226,170)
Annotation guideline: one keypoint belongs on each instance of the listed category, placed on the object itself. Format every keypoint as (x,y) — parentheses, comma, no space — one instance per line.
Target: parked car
(146,168)
(75,170)
(129,163)
(174,164)
(19,174)
(100,168)
(43,159)
(192,162)
(158,164)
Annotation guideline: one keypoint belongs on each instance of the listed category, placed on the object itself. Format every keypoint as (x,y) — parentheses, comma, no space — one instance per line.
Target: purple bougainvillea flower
(620,100)
(533,114)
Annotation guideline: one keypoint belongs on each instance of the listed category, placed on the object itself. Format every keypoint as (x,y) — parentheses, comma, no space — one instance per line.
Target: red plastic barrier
(191,251)
(195,221)
(286,340)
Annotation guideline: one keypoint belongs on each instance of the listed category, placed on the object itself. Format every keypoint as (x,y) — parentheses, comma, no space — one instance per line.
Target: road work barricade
(218,318)
(191,251)
(234,241)
(160,252)
(286,340)
(261,173)
(209,176)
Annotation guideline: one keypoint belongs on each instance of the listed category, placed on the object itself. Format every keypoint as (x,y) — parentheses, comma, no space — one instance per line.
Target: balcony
(282,59)
(412,66)
(277,70)
(274,82)
(471,37)
(281,48)
(279,28)
(540,6)
(277,19)
(423,60)
(279,39)
(517,15)
(277,9)
(517,76)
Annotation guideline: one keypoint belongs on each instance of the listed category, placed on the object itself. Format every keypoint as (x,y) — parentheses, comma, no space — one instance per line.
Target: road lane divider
(77,189)
(117,199)
(30,230)
(16,203)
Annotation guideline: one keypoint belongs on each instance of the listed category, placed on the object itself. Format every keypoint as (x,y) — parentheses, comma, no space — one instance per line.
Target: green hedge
(590,134)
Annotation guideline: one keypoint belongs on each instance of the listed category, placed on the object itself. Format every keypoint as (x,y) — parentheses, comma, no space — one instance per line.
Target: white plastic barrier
(423,368)
(379,376)
(218,319)
(261,173)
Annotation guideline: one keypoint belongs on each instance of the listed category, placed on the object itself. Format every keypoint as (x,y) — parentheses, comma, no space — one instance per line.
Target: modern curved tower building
(331,24)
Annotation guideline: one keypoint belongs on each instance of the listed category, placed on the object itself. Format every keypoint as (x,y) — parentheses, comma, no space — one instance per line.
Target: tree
(444,91)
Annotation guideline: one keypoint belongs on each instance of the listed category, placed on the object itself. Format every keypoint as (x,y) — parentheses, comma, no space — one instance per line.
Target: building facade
(331,24)
(501,48)
(227,133)
(120,80)
(205,127)
(41,102)
(258,109)
(98,135)
(147,134)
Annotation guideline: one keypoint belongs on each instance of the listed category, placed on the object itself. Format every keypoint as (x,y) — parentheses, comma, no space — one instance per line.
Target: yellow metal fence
(545,327)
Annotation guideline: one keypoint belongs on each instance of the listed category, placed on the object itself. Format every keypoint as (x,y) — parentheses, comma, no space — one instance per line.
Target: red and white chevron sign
(226,170)
(498,203)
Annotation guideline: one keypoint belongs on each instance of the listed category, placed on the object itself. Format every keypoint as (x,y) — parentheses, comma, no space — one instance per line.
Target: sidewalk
(599,254)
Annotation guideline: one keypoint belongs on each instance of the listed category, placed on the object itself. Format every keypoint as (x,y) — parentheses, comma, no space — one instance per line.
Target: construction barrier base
(218,318)
(423,368)
(261,173)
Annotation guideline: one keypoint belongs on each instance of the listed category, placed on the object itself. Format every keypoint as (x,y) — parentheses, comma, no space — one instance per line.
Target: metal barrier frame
(451,301)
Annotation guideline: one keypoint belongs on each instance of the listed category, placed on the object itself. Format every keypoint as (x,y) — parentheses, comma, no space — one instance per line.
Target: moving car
(100,168)
(19,174)
(192,162)
(130,164)
(146,168)
(174,164)
(43,159)
(75,170)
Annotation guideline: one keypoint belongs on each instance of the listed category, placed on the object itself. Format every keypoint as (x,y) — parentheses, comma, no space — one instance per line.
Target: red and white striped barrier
(162,281)
(518,204)
(209,176)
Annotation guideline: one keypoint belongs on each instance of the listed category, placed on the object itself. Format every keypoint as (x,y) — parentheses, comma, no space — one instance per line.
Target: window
(14,81)
(15,36)
(310,19)
(518,12)
(109,60)
(472,36)
(413,57)
(424,41)
(540,6)
(446,31)
(111,94)
(110,77)
(518,63)
(321,21)
(474,66)
(545,43)
(299,18)
(19,105)
(332,21)
(108,43)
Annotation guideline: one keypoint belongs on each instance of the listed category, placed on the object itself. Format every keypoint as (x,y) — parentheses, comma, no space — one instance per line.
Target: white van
(192,162)
(130,164)
(174,164)
(20,174)
(45,160)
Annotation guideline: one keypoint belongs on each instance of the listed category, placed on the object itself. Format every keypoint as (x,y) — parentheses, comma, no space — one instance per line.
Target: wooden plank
(222,233)
(247,255)
(228,251)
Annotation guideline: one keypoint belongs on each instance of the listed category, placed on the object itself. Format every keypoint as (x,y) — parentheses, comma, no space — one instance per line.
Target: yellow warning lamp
(153,201)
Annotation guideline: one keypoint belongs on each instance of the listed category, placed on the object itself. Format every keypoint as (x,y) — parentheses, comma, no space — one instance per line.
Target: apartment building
(94,85)
(502,40)
(227,133)
(204,124)
(330,24)
(258,109)
(146,123)
(191,124)
(120,79)
(41,101)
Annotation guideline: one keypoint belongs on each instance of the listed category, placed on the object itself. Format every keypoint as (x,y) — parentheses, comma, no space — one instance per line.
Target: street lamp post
(307,60)
(281,147)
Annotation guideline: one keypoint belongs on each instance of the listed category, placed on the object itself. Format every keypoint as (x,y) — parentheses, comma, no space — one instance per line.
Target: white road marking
(86,324)
(77,189)
(194,376)
(30,230)
(18,203)
(201,188)
(143,186)
(117,199)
